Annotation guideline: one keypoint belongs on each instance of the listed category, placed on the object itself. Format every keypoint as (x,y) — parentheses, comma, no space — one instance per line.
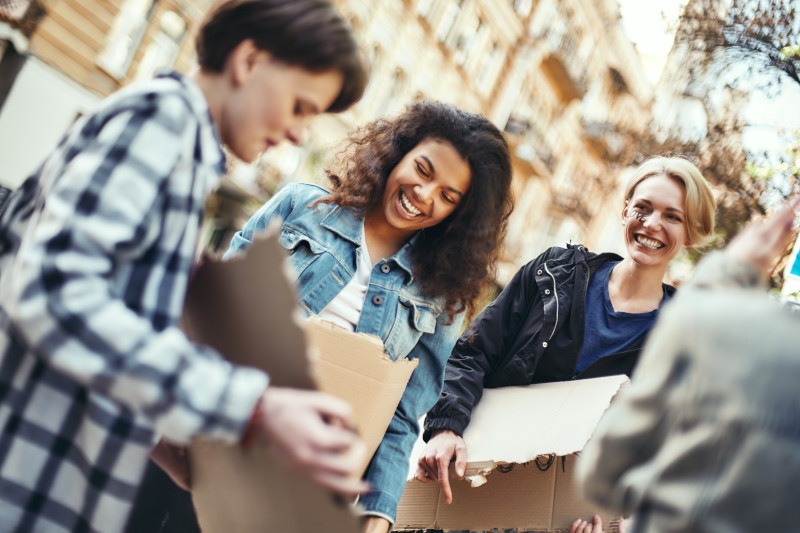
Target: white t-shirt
(345,309)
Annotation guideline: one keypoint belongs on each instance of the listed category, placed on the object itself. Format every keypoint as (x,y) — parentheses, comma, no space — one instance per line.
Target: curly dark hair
(455,259)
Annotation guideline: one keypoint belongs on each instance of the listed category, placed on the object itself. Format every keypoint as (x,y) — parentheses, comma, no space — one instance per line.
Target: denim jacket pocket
(413,319)
(302,249)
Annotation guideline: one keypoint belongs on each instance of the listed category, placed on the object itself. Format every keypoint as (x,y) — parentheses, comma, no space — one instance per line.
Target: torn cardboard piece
(521,445)
(245,308)
(354,366)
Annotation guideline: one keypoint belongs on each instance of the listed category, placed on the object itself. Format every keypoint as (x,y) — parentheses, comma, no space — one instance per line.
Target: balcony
(570,201)
(567,86)
(567,74)
(527,142)
(604,139)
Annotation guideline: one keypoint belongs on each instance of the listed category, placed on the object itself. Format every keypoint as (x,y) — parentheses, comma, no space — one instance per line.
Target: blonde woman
(571,313)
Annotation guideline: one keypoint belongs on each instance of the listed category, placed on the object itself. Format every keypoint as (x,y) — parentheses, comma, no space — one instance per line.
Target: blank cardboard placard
(245,309)
(517,424)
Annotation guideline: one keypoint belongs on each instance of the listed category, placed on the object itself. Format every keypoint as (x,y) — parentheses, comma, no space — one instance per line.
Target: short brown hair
(309,34)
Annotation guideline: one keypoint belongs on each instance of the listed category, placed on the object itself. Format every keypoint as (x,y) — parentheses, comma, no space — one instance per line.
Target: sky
(651,25)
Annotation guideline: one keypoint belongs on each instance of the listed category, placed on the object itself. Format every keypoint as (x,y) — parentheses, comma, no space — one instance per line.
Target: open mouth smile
(648,243)
(408,207)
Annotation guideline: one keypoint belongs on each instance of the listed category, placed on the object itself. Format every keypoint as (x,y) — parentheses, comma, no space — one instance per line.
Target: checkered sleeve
(74,284)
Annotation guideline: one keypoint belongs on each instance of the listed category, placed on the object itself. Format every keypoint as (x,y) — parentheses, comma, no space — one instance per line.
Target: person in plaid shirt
(95,253)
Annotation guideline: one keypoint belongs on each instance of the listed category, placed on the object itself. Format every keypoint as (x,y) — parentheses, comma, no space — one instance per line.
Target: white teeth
(408,207)
(648,243)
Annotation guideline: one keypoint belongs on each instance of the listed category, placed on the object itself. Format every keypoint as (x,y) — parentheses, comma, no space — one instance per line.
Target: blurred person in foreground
(96,249)
(707,436)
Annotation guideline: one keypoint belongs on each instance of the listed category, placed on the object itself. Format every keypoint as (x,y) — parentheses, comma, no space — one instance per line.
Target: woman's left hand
(582,526)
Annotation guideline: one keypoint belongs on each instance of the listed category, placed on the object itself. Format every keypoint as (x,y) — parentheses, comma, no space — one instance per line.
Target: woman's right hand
(434,464)
(309,431)
(583,526)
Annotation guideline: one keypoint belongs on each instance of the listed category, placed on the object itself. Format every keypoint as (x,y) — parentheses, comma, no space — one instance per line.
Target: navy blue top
(607,331)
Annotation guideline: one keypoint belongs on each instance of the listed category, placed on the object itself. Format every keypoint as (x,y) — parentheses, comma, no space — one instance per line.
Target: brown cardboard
(353,366)
(521,445)
(245,309)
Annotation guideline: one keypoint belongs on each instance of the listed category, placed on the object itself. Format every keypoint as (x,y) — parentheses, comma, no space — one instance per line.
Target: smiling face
(425,187)
(270,101)
(655,221)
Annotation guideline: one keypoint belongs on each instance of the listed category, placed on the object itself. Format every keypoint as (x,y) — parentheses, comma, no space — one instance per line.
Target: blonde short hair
(700,206)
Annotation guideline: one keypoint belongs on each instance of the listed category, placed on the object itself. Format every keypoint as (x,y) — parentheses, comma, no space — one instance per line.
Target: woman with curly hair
(400,247)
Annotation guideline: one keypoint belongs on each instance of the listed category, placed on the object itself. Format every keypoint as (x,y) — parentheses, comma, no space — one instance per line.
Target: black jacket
(532,333)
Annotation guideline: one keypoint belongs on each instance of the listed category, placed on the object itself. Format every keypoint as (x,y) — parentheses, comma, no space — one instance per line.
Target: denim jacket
(324,243)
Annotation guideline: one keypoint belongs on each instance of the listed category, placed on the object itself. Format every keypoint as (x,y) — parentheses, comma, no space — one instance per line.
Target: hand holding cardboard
(245,308)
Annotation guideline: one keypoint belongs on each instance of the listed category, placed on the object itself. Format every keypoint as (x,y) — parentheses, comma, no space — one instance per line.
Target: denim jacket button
(385,268)
(547,291)
(377,300)
(539,271)
(544,345)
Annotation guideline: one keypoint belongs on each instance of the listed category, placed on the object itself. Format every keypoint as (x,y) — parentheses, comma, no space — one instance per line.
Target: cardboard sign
(521,443)
(246,309)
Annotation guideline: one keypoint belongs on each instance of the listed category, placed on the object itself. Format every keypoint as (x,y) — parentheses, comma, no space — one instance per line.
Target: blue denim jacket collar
(349,225)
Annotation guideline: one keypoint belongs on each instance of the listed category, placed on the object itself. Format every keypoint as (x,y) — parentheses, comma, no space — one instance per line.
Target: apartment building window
(394,93)
(523,7)
(489,69)
(560,230)
(467,40)
(163,49)
(447,20)
(369,99)
(425,8)
(125,36)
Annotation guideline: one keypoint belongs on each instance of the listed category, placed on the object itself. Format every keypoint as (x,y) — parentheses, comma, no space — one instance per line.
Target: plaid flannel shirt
(95,254)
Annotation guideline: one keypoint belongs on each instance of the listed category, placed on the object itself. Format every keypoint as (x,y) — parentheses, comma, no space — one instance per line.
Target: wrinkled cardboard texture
(353,366)
(511,427)
(245,308)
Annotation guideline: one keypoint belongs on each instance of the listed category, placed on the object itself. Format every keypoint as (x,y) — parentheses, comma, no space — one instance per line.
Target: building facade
(558,76)
(60,57)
